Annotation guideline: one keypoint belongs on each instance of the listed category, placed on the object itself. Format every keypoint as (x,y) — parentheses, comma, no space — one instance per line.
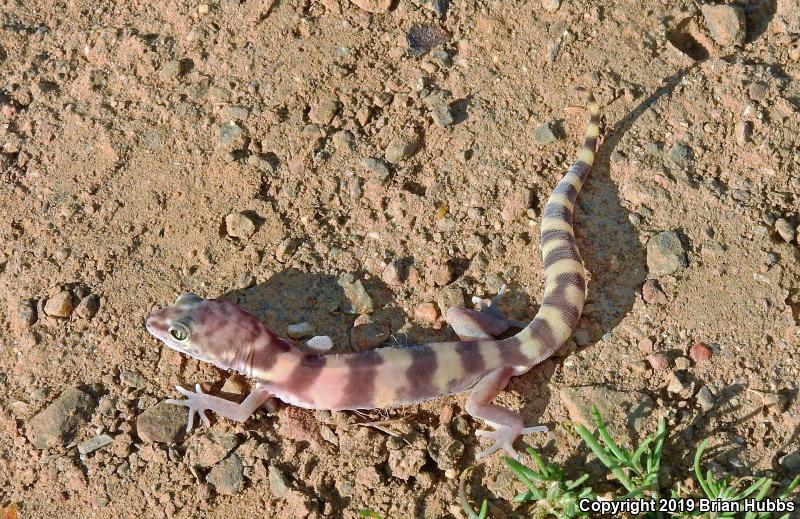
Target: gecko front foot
(504,437)
(196,402)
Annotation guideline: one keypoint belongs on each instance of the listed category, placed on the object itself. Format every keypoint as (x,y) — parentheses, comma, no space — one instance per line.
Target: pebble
(324,111)
(757,91)
(239,225)
(406,463)
(551,6)
(678,384)
(658,361)
(278,484)
(378,168)
(132,379)
(426,312)
(682,363)
(743,131)
(726,23)
(699,352)
(652,293)
(449,297)
(394,273)
(286,248)
(367,334)
(60,305)
(646,346)
(665,254)
(170,70)
(58,423)
(356,299)
(344,140)
(88,307)
(163,423)
(791,462)
(617,408)
(373,6)
(299,330)
(209,449)
(544,134)
(422,37)
(706,399)
(261,162)
(785,230)
(95,443)
(442,115)
(25,315)
(680,154)
(227,476)
(402,147)
(445,450)
(231,137)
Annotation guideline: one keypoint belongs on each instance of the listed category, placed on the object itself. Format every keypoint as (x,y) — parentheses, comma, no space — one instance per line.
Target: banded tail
(565,277)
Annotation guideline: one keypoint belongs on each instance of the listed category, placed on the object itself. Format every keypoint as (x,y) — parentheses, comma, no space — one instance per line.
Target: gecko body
(225,335)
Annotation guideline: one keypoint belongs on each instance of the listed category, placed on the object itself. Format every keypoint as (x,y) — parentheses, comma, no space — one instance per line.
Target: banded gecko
(222,333)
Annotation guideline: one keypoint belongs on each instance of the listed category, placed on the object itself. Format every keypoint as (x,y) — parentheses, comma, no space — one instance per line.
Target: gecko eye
(179,332)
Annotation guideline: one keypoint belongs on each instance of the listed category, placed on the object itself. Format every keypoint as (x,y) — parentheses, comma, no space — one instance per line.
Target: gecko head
(196,327)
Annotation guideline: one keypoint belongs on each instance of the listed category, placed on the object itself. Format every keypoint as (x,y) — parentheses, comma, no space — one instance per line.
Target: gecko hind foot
(504,437)
(194,401)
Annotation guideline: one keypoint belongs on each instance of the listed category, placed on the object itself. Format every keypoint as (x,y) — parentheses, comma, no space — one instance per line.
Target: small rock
(60,305)
(699,352)
(58,423)
(394,274)
(378,167)
(517,204)
(286,248)
(95,443)
(652,293)
(682,363)
(439,271)
(679,384)
(209,449)
(402,147)
(25,314)
(132,379)
(646,346)
(658,361)
(367,333)
(231,137)
(237,112)
(164,423)
(324,111)
(299,330)
(665,254)
(405,464)
(623,412)
(442,115)
(757,91)
(423,37)
(680,154)
(344,140)
(551,6)
(544,134)
(239,225)
(373,6)
(450,297)
(426,312)
(278,484)
(706,399)
(726,23)
(261,162)
(445,450)
(791,462)
(582,337)
(785,230)
(743,131)
(357,300)
(88,307)
(170,70)
(227,476)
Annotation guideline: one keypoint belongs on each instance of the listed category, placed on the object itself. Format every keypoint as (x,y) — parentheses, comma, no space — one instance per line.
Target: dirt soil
(150,148)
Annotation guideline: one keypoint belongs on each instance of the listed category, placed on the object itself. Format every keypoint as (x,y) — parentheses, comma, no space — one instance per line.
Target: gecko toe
(534,429)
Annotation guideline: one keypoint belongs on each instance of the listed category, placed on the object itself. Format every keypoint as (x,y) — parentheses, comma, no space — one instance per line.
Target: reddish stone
(699,352)
(658,361)
(652,293)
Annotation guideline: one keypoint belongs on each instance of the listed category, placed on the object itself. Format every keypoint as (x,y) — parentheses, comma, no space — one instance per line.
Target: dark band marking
(471,358)
(556,210)
(553,234)
(511,353)
(419,374)
(566,189)
(543,333)
(567,251)
(362,375)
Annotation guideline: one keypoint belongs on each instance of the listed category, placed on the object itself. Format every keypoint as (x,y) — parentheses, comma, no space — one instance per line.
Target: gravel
(57,424)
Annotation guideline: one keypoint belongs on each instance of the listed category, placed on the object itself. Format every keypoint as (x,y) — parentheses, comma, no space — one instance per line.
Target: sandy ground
(149,148)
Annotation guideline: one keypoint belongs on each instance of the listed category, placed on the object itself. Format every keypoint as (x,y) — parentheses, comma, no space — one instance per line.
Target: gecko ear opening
(187,298)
